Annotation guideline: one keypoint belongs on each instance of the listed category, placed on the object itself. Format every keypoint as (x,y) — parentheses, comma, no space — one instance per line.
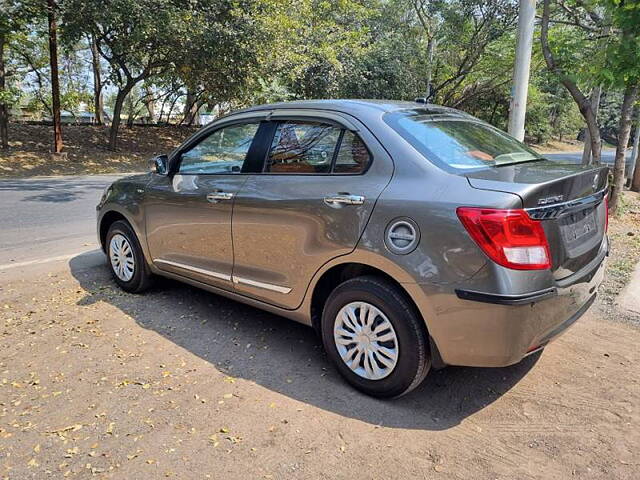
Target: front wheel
(127,262)
(375,337)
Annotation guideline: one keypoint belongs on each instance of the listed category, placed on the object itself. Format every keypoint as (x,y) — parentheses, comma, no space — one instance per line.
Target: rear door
(318,186)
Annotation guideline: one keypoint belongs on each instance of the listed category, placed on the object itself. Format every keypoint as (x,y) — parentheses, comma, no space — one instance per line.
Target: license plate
(579,226)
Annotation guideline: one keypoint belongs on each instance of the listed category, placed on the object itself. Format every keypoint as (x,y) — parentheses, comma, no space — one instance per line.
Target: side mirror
(159,165)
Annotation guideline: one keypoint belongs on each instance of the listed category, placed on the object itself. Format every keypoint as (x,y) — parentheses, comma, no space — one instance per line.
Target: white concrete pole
(635,155)
(518,107)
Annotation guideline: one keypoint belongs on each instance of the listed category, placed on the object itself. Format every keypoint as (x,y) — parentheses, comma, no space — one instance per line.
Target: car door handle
(214,197)
(343,198)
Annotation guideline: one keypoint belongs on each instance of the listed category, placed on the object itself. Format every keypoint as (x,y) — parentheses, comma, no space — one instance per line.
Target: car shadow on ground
(56,190)
(286,357)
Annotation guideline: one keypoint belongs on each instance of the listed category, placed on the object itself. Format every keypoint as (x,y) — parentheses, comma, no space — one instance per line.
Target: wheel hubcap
(366,340)
(121,256)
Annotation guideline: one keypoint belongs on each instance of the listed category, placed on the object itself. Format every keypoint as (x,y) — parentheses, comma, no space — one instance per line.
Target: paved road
(48,217)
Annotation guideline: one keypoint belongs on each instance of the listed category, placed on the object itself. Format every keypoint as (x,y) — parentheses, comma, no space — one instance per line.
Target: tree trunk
(191,108)
(4,108)
(55,82)
(149,103)
(173,104)
(161,112)
(117,112)
(595,105)
(584,104)
(624,131)
(98,103)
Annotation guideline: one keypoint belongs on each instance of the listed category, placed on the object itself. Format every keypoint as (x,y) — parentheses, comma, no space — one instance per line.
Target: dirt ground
(179,383)
(85,149)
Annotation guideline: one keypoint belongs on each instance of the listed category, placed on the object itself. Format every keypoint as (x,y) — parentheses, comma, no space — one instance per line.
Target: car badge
(552,199)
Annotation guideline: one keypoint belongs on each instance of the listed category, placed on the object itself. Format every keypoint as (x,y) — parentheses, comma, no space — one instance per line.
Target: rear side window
(353,156)
(302,148)
(315,148)
(224,151)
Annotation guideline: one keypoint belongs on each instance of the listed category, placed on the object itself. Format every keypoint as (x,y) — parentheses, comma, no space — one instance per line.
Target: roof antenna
(426,99)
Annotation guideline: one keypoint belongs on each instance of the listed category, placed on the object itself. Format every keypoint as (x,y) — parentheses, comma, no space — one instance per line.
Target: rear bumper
(484,330)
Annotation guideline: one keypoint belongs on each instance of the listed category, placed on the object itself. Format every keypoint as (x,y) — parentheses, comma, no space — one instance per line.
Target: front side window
(458,142)
(302,147)
(222,152)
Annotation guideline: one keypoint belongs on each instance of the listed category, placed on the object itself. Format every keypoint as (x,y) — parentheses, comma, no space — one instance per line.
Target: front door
(188,214)
(310,204)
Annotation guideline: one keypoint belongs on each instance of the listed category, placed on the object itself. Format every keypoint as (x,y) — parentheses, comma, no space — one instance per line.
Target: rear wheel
(127,262)
(375,338)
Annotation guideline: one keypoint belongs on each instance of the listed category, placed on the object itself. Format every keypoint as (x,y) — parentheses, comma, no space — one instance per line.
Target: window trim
(259,148)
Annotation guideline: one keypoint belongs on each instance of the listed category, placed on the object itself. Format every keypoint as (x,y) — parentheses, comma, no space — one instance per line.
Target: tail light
(606,213)
(508,237)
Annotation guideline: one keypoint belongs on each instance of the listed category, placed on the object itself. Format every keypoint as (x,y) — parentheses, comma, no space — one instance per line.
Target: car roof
(353,106)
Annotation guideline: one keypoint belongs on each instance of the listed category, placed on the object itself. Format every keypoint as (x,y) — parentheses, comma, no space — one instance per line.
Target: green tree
(572,52)
(14,17)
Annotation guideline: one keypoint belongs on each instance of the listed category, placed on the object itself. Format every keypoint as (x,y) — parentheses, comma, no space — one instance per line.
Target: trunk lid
(567,198)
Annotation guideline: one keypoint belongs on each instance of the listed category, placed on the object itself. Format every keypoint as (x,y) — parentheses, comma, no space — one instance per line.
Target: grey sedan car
(410,236)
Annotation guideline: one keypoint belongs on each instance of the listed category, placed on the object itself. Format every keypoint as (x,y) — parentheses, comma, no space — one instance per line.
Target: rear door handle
(214,197)
(344,199)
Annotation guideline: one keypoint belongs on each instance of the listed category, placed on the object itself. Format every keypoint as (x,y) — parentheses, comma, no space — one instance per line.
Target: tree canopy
(169,60)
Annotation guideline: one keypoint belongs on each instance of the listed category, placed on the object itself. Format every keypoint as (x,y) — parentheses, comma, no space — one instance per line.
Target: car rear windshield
(458,142)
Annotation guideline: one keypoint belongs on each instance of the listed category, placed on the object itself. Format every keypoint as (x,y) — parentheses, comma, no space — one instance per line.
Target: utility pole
(518,107)
(635,159)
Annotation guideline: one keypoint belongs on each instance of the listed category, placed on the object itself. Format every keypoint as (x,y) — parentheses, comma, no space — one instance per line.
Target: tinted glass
(458,142)
(224,151)
(353,156)
(302,147)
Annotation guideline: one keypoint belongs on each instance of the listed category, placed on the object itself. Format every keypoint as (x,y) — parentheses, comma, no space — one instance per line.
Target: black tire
(142,277)
(413,360)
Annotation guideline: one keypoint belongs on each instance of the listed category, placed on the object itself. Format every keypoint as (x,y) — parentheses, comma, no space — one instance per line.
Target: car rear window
(458,142)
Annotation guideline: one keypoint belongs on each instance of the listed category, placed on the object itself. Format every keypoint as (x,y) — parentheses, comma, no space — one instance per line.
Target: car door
(188,213)
(311,203)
